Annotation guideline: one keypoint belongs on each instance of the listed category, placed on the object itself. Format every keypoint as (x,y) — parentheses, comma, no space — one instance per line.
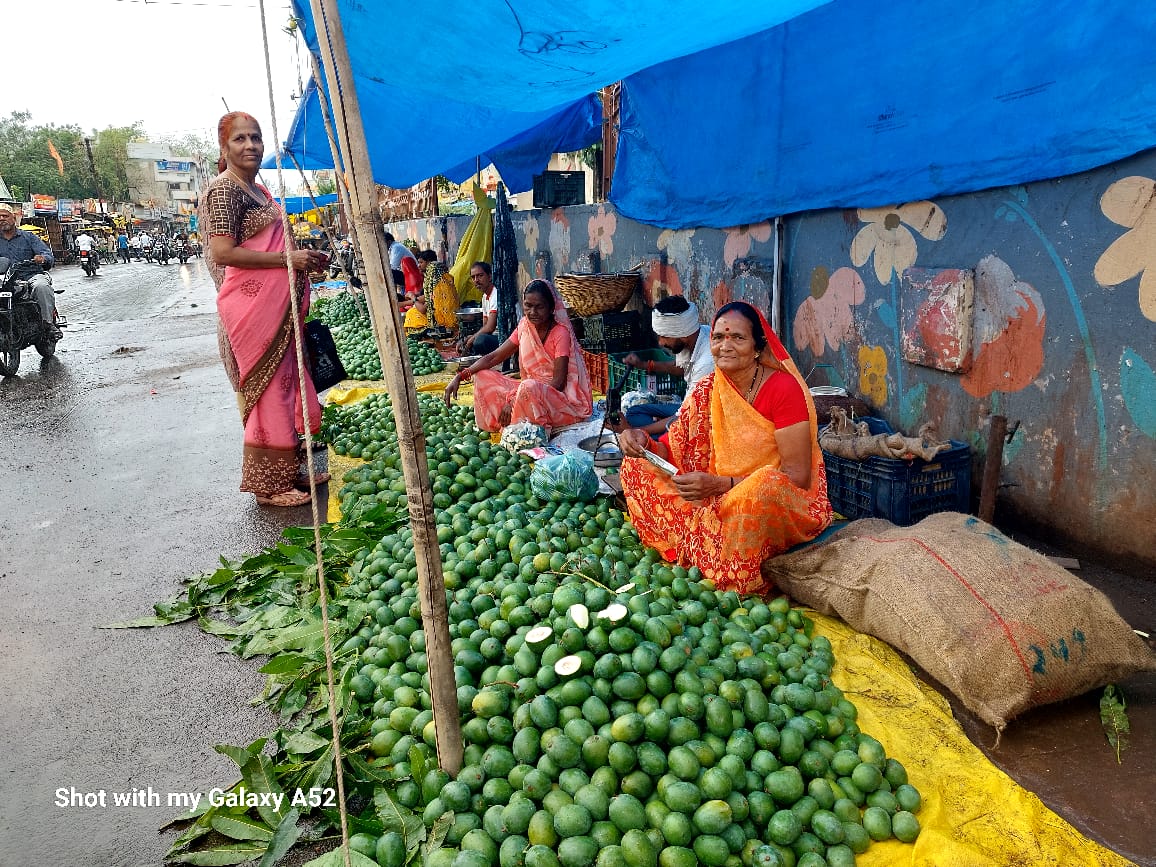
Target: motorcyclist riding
(87,244)
(20,246)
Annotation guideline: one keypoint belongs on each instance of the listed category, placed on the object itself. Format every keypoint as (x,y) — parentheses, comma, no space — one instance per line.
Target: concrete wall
(1063,328)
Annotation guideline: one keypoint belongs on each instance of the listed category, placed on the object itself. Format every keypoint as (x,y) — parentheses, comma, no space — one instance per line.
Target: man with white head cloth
(676,324)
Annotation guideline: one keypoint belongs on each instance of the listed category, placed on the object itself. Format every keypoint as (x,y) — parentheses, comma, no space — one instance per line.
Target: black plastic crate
(609,333)
(902,491)
(554,189)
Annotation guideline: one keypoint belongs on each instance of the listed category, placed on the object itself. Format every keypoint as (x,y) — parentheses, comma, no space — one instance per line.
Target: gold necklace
(751,387)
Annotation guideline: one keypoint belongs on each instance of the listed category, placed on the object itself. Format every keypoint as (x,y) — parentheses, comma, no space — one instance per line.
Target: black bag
(325,367)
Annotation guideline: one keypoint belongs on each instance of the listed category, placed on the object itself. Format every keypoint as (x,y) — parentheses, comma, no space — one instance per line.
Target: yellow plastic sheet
(974,815)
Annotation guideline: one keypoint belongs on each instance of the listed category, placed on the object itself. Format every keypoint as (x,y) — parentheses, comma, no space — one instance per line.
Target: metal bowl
(470,314)
(605,449)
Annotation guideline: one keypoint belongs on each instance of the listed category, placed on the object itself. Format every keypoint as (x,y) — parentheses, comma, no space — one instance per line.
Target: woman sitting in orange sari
(247,258)
(750,481)
(555,388)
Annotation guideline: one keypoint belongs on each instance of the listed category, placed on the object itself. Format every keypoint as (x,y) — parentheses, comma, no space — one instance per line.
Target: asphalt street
(120,474)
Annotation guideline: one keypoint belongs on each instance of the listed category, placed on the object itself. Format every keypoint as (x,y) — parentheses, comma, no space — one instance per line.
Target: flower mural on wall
(676,243)
(560,240)
(888,238)
(1131,203)
(659,280)
(1008,336)
(602,227)
(530,230)
(740,238)
(825,318)
(873,375)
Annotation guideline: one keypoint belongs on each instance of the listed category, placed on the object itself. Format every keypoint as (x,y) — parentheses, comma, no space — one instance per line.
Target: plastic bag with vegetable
(565,478)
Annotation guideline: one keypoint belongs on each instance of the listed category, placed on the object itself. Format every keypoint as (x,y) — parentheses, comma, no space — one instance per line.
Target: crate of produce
(610,332)
(901,491)
(639,380)
(596,366)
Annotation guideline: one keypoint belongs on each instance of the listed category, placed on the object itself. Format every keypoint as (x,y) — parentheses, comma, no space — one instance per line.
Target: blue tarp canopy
(739,110)
(301,204)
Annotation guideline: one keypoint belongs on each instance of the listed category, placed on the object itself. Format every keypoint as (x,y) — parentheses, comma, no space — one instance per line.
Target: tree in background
(110,153)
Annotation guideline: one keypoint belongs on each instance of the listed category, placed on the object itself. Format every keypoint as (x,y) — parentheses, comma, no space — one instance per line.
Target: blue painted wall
(1065,324)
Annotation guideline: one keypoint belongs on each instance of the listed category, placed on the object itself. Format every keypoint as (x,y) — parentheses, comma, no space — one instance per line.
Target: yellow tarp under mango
(974,815)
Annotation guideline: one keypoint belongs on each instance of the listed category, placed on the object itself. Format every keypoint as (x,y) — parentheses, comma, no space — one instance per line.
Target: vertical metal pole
(399,380)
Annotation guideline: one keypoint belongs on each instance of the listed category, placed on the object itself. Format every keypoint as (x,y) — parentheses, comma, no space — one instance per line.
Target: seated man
(675,322)
(484,340)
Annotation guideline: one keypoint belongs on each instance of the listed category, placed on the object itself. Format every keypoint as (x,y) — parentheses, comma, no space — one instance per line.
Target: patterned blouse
(227,209)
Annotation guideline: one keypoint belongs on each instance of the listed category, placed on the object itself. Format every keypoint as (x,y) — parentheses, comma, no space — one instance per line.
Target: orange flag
(56,156)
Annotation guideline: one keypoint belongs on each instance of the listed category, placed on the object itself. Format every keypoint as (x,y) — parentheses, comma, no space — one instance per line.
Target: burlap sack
(1001,626)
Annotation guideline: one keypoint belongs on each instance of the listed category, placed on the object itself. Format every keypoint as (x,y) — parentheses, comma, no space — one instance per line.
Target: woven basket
(592,294)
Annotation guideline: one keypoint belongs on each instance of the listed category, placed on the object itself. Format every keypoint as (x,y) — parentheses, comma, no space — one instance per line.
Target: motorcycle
(183,251)
(89,262)
(161,252)
(20,322)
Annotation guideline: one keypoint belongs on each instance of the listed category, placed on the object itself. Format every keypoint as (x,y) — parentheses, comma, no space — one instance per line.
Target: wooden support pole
(996,436)
(382,298)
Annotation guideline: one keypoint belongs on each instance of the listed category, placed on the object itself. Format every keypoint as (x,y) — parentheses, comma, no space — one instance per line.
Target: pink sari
(256,341)
(533,398)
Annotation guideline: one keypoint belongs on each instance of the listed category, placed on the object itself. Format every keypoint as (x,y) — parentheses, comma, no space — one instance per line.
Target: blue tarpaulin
(301,204)
(744,109)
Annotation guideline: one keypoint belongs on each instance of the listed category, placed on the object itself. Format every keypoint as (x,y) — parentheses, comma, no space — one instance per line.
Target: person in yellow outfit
(417,317)
(438,286)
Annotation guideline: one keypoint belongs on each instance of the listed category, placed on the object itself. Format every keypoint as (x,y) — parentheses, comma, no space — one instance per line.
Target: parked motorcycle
(88,262)
(20,322)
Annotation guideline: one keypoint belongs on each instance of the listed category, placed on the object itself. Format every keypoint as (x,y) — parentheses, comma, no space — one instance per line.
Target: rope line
(323,595)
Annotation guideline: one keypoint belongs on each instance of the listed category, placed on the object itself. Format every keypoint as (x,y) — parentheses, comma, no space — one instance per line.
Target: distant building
(163,186)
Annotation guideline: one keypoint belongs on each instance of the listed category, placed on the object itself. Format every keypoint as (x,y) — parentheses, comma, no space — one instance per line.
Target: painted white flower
(676,243)
(887,237)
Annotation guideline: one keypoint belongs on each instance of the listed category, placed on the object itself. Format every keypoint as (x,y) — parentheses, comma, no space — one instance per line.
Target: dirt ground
(121,479)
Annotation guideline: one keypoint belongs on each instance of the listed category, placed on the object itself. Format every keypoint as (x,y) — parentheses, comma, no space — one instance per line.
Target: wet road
(119,478)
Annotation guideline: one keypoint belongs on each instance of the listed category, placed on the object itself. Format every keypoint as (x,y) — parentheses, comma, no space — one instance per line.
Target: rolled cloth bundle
(681,324)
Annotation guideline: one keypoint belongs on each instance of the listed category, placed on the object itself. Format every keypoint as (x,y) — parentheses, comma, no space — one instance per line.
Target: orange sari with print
(729,536)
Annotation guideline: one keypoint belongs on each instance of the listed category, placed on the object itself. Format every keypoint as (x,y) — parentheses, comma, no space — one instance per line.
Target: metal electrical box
(555,189)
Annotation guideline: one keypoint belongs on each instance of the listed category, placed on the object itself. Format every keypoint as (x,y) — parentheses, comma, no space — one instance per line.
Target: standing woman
(246,256)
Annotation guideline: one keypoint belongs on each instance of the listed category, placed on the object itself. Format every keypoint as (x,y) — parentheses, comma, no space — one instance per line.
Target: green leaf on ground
(242,827)
(1114,717)
(337,859)
(232,853)
(283,839)
(259,776)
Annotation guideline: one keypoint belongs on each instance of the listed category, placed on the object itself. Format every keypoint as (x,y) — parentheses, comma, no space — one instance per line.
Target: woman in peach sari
(750,481)
(247,259)
(554,390)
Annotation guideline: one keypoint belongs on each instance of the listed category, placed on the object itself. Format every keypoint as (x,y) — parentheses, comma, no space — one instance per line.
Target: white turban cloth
(676,324)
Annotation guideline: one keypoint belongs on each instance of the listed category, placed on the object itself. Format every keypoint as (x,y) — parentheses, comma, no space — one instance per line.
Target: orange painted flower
(602,227)
(661,279)
(1009,331)
(739,238)
(887,238)
(873,375)
(1131,202)
(825,317)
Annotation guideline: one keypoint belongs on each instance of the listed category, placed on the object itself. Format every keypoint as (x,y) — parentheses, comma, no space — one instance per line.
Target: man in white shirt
(676,324)
(85,243)
(485,339)
(146,245)
(397,252)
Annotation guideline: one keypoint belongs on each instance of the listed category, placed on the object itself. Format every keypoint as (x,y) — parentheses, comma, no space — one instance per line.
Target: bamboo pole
(338,175)
(399,381)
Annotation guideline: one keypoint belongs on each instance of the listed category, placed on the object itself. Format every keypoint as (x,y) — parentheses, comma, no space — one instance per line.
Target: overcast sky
(166,63)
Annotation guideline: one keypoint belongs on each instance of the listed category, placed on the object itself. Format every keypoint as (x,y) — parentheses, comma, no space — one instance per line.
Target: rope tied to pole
(299,347)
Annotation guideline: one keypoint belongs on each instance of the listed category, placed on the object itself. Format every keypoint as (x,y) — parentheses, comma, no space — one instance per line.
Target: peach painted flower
(739,239)
(530,230)
(1131,203)
(601,227)
(873,375)
(1008,342)
(887,237)
(676,243)
(560,240)
(825,317)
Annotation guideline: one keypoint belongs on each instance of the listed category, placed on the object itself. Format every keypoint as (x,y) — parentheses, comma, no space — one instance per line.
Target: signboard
(174,166)
(193,223)
(69,208)
(43,203)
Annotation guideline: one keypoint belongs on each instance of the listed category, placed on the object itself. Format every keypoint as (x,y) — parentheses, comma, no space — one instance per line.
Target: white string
(323,594)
